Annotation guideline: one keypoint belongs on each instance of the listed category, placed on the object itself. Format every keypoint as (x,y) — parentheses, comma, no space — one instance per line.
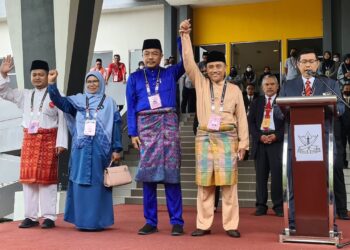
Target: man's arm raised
(6,66)
(6,92)
(190,65)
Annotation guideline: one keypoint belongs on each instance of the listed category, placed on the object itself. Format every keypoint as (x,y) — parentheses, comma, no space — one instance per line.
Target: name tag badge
(115,77)
(154,101)
(214,122)
(265,123)
(90,128)
(33,127)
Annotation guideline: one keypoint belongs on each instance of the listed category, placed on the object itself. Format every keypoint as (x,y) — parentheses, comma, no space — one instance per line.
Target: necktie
(266,121)
(307,88)
(268,108)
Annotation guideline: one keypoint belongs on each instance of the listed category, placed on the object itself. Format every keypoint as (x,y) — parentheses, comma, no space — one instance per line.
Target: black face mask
(293,54)
(347,93)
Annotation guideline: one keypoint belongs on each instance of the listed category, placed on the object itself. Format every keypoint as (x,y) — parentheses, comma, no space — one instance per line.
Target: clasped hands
(268,139)
(185,27)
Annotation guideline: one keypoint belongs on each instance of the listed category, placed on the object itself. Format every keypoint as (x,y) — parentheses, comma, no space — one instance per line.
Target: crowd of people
(229,109)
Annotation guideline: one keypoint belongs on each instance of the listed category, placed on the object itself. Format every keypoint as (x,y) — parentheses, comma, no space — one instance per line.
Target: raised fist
(52,76)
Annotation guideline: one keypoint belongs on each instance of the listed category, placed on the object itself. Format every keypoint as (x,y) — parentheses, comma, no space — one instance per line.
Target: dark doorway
(300,44)
(259,55)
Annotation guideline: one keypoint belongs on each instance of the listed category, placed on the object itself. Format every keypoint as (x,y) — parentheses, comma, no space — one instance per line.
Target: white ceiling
(199,3)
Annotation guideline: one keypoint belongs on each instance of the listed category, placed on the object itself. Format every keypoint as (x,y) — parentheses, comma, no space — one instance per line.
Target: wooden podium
(308,162)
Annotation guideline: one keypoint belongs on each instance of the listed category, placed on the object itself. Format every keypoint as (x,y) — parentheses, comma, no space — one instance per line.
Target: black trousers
(269,159)
(338,174)
(345,138)
(188,99)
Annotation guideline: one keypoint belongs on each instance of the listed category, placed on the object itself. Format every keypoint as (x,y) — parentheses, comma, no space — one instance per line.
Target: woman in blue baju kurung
(89,203)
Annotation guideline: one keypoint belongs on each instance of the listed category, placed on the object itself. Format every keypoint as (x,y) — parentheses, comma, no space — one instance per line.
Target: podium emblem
(308,142)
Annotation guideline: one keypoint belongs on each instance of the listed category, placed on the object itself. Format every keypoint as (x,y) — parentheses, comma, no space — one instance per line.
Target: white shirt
(272,122)
(50,117)
(250,97)
(311,80)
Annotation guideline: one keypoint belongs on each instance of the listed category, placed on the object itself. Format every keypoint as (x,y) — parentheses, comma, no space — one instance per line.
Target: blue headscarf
(104,119)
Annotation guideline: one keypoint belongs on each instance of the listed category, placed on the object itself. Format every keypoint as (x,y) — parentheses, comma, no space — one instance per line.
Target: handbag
(116,176)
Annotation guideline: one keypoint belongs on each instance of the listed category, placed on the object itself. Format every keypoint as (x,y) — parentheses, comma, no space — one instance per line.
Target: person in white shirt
(45,137)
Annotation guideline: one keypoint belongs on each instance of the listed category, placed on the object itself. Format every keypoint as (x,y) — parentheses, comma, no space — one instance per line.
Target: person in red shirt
(98,67)
(117,91)
(117,69)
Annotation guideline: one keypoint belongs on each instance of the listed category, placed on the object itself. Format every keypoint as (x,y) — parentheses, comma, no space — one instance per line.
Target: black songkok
(151,44)
(216,56)
(39,64)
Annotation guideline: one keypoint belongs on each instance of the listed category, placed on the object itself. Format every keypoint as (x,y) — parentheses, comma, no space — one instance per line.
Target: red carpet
(257,233)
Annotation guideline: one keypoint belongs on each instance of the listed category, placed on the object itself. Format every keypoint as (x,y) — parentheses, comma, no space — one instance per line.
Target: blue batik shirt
(136,92)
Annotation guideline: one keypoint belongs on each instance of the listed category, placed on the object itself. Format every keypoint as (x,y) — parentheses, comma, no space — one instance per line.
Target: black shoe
(233,233)
(177,230)
(279,213)
(147,229)
(27,223)
(260,212)
(343,216)
(48,224)
(200,232)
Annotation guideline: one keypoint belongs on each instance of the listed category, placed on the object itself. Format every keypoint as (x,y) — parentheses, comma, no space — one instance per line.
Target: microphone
(309,72)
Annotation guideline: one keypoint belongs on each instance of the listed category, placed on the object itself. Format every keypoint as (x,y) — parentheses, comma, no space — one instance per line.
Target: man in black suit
(249,96)
(345,121)
(266,123)
(342,138)
(307,85)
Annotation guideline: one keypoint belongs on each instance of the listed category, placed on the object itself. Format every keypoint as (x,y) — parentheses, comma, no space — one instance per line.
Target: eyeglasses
(312,61)
(94,82)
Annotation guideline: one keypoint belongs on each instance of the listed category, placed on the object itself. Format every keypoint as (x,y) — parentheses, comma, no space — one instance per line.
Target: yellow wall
(275,20)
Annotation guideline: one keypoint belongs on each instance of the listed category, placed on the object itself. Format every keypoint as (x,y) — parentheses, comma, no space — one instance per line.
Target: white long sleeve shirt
(50,116)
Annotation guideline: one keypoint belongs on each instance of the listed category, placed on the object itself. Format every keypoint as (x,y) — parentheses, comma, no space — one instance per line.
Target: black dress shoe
(343,216)
(233,233)
(27,223)
(260,212)
(279,213)
(147,229)
(200,232)
(177,230)
(48,224)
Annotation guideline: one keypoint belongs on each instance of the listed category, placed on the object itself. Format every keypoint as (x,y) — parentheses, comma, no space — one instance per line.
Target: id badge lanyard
(90,124)
(40,107)
(212,97)
(154,100)
(215,119)
(148,86)
(100,106)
